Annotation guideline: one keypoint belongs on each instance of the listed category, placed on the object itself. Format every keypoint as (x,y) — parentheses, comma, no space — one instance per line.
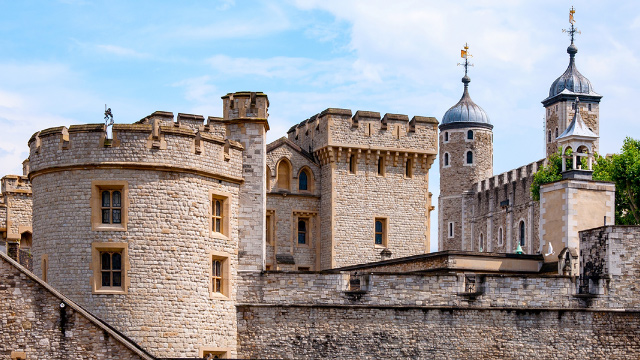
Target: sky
(62,61)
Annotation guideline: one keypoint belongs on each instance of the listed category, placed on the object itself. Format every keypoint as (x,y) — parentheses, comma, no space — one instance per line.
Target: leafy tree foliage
(623,169)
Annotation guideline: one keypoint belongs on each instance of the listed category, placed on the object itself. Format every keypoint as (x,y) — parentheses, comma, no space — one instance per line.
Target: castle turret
(560,106)
(466,157)
(148,230)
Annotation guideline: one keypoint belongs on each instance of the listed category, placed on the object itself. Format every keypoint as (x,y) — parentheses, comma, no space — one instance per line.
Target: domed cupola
(571,82)
(465,111)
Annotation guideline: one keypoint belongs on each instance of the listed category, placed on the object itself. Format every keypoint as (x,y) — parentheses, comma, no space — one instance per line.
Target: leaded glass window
(111,207)
(216,276)
(302,231)
(111,268)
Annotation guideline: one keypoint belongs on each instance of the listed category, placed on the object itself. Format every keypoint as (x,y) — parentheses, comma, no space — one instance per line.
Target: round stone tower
(142,229)
(466,157)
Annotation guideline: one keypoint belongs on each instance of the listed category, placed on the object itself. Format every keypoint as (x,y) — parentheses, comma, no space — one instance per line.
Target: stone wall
(41,324)
(559,115)
(503,201)
(339,332)
(170,173)
(610,265)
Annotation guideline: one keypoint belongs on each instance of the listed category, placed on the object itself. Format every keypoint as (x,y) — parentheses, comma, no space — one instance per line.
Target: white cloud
(121,51)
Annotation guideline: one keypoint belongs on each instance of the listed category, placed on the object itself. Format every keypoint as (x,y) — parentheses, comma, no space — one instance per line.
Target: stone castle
(185,237)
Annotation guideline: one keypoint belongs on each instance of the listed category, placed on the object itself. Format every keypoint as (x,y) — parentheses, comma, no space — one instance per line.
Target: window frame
(384,233)
(446,160)
(97,248)
(207,350)
(500,236)
(446,137)
(466,158)
(470,136)
(353,164)
(270,227)
(451,229)
(381,165)
(408,168)
(44,266)
(224,198)
(281,177)
(310,179)
(225,275)
(522,234)
(97,187)
(307,231)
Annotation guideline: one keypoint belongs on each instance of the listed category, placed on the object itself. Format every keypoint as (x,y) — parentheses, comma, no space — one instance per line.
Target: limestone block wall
(35,324)
(610,261)
(166,306)
(362,197)
(397,289)
(335,332)
(16,196)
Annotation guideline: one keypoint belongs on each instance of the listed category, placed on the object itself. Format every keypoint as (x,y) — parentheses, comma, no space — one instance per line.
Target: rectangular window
(381,164)
(109,205)
(109,263)
(353,164)
(303,231)
(304,268)
(210,353)
(380,232)
(219,275)
(408,171)
(450,229)
(269,227)
(219,213)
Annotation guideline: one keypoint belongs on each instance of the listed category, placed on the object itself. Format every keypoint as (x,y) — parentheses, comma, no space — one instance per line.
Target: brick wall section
(33,322)
(344,332)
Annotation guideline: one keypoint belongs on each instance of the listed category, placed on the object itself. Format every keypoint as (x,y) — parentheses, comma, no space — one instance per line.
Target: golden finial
(573,31)
(571,12)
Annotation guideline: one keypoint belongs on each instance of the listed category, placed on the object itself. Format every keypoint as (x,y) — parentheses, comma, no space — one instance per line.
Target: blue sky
(61,61)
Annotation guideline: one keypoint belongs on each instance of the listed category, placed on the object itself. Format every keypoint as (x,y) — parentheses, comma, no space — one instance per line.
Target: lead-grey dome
(571,81)
(465,110)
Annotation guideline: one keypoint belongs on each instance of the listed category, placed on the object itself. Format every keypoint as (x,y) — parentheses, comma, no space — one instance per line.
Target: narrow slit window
(469,157)
(446,159)
(446,136)
(302,231)
(216,215)
(352,164)
(381,166)
(408,171)
(216,276)
(522,233)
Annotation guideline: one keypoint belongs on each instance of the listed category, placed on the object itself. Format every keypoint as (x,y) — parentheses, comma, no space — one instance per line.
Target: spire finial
(464,53)
(573,30)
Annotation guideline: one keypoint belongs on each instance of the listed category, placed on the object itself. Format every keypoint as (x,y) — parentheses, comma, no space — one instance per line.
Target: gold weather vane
(464,53)
(572,21)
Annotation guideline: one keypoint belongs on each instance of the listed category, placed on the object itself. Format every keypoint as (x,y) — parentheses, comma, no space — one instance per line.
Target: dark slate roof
(465,110)
(571,81)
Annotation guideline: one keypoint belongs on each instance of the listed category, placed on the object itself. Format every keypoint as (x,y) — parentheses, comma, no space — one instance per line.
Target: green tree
(623,169)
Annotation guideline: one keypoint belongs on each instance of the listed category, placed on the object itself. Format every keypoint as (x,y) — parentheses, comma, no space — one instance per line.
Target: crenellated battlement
(154,142)
(335,127)
(15,184)
(523,173)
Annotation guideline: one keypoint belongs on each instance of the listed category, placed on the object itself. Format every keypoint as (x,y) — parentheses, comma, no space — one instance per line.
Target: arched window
(549,136)
(284,175)
(302,231)
(522,242)
(303,180)
(380,232)
(470,134)
(500,237)
(469,157)
(446,159)
(352,164)
(408,171)
(268,178)
(446,136)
